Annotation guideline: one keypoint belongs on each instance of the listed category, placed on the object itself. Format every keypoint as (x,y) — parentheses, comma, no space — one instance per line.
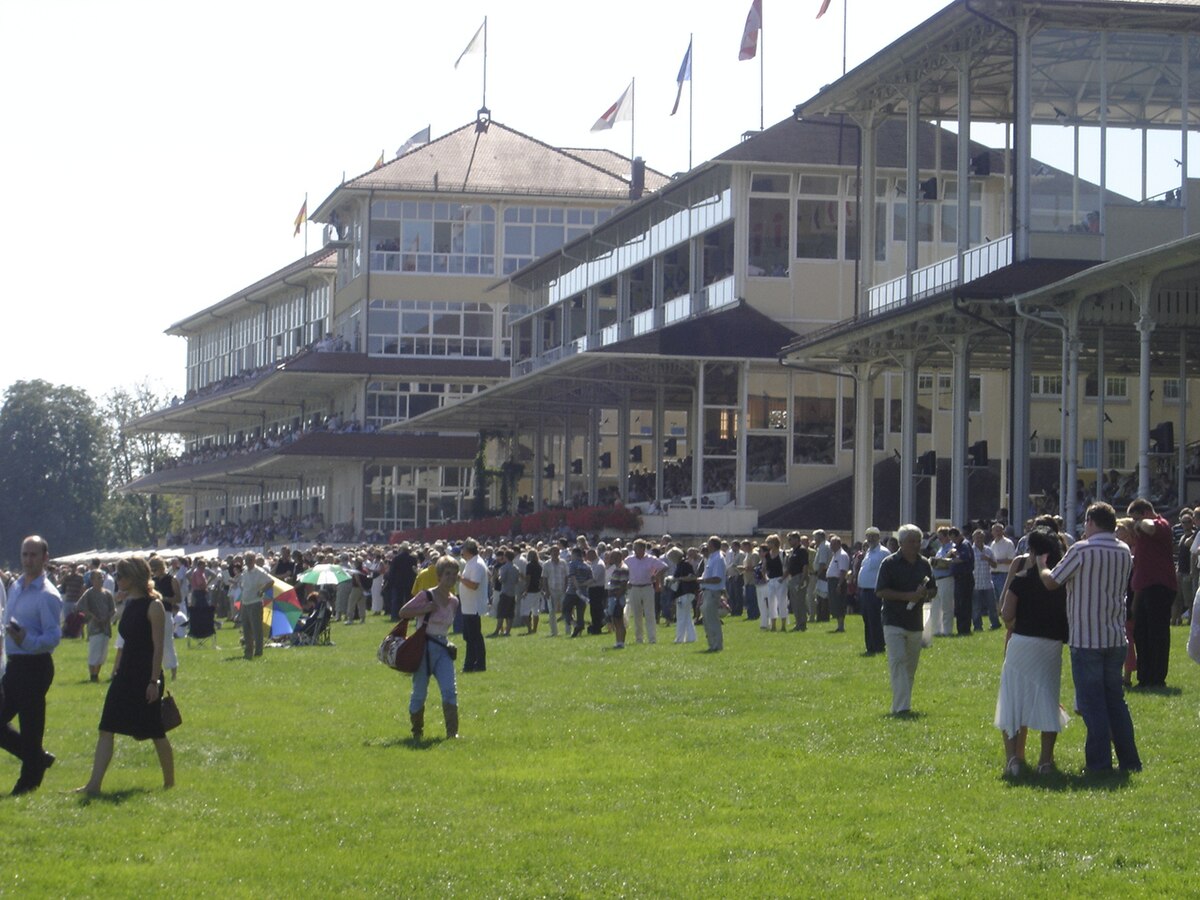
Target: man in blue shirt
(31,632)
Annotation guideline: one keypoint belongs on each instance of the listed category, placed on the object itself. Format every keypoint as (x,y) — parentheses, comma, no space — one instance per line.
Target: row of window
(460,238)
(395,401)
(425,328)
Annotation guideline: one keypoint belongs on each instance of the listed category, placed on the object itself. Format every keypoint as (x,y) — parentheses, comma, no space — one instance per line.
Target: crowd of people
(1110,594)
(265,439)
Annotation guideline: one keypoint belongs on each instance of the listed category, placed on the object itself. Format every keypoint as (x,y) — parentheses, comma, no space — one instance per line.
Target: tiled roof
(618,165)
(499,160)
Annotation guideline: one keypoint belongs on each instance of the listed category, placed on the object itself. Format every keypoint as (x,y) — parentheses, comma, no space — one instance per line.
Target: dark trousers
(573,612)
(25,685)
(472,632)
(872,613)
(597,603)
(1152,633)
(750,594)
(964,588)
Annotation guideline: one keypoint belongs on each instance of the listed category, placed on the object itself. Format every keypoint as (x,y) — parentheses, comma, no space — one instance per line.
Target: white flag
(621,111)
(420,139)
(474,47)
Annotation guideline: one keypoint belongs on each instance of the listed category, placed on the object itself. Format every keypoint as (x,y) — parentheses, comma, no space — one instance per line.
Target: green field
(770,769)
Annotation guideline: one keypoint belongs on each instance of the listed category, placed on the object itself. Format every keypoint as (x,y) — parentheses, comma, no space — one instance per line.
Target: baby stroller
(200,625)
(313,630)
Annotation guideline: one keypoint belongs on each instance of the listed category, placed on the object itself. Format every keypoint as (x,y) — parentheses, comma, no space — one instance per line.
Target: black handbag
(171,718)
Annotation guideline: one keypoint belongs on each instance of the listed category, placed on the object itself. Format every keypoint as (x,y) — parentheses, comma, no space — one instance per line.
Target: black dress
(125,708)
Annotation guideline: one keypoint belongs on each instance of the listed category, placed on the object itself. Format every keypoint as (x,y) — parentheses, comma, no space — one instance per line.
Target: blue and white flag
(685,74)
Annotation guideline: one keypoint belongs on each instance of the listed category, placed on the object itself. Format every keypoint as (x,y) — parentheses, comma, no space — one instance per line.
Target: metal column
(960,423)
(1018,502)
(864,449)
(1145,327)
(908,438)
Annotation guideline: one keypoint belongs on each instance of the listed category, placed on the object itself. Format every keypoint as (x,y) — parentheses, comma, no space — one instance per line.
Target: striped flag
(420,139)
(824,8)
(378,162)
(750,33)
(685,74)
(300,217)
(621,111)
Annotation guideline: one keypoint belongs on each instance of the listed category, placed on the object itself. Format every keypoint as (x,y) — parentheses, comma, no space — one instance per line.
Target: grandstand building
(751,344)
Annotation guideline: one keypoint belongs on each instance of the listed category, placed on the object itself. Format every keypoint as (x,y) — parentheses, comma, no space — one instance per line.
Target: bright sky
(157,153)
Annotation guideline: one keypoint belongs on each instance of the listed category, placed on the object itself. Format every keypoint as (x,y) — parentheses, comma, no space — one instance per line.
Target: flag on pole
(685,74)
(378,162)
(750,33)
(621,111)
(420,139)
(300,217)
(474,46)
(824,8)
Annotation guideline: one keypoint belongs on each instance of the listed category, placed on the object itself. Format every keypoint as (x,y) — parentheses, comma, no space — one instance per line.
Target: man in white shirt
(254,581)
(554,584)
(1004,551)
(472,598)
(712,584)
(835,575)
(644,574)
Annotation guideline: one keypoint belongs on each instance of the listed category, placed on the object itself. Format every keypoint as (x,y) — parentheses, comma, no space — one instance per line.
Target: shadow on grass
(1063,782)
(1160,690)
(112,798)
(410,743)
(910,715)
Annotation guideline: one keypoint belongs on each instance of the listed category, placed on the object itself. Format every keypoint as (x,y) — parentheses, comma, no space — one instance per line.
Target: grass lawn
(768,770)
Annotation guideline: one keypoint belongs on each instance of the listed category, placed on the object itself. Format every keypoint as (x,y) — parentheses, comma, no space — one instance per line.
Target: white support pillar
(740,430)
(1181,436)
(912,176)
(959,430)
(1145,327)
(1018,501)
(908,438)
(1022,143)
(658,443)
(622,461)
(1073,347)
(698,435)
(593,455)
(963,141)
(1101,401)
(566,461)
(539,465)
(866,213)
(864,449)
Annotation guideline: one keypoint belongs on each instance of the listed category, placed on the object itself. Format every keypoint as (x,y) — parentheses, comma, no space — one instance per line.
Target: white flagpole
(485,62)
(632,118)
(691,92)
(762,52)
(845,18)
(304,224)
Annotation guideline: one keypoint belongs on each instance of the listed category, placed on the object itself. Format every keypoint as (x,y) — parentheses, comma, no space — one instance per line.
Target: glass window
(721,384)
(1047,386)
(718,254)
(816,229)
(766,458)
(720,432)
(822,185)
(1116,387)
(768,226)
(677,272)
(1170,389)
(813,431)
(1089,453)
(770,183)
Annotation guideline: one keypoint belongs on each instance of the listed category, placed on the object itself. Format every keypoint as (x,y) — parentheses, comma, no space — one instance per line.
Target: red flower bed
(588,518)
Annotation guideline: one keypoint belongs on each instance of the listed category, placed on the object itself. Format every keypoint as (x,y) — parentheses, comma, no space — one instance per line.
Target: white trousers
(903,654)
(639,607)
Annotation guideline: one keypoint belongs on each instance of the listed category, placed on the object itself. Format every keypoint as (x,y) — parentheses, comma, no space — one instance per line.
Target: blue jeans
(983,602)
(1101,702)
(750,594)
(438,662)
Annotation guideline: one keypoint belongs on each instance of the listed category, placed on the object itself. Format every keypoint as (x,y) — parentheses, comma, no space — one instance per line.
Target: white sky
(156,155)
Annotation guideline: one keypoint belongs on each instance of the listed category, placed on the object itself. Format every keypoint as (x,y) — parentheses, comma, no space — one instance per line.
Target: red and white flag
(621,111)
(301,217)
(750,34)
(824,8)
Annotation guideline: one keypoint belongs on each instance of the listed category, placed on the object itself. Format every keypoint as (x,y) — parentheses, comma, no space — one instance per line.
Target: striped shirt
(1096,572)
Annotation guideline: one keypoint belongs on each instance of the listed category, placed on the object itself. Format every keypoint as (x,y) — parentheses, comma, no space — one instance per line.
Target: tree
(53,467)
(135,519)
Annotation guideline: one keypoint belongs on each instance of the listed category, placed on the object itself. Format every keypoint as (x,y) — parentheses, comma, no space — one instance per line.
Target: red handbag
(402,651)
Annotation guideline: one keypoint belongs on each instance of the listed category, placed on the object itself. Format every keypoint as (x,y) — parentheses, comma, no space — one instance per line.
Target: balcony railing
(941,275)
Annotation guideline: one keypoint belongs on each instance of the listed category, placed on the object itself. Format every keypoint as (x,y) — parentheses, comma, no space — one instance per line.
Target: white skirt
(1029,686)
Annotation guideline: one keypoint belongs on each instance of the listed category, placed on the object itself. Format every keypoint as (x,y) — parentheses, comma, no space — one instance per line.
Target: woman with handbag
(437,606)
(134,702)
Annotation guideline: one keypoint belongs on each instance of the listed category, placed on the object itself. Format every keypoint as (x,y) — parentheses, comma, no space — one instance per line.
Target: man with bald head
(32,629)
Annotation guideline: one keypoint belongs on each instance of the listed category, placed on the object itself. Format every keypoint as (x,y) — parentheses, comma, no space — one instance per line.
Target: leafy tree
(53,467)
(129,519)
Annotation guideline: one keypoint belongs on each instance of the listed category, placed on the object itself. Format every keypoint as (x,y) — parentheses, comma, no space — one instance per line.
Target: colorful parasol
(281,608)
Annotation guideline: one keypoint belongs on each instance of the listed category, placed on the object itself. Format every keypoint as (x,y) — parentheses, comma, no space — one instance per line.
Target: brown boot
(418,723)
(451,713)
